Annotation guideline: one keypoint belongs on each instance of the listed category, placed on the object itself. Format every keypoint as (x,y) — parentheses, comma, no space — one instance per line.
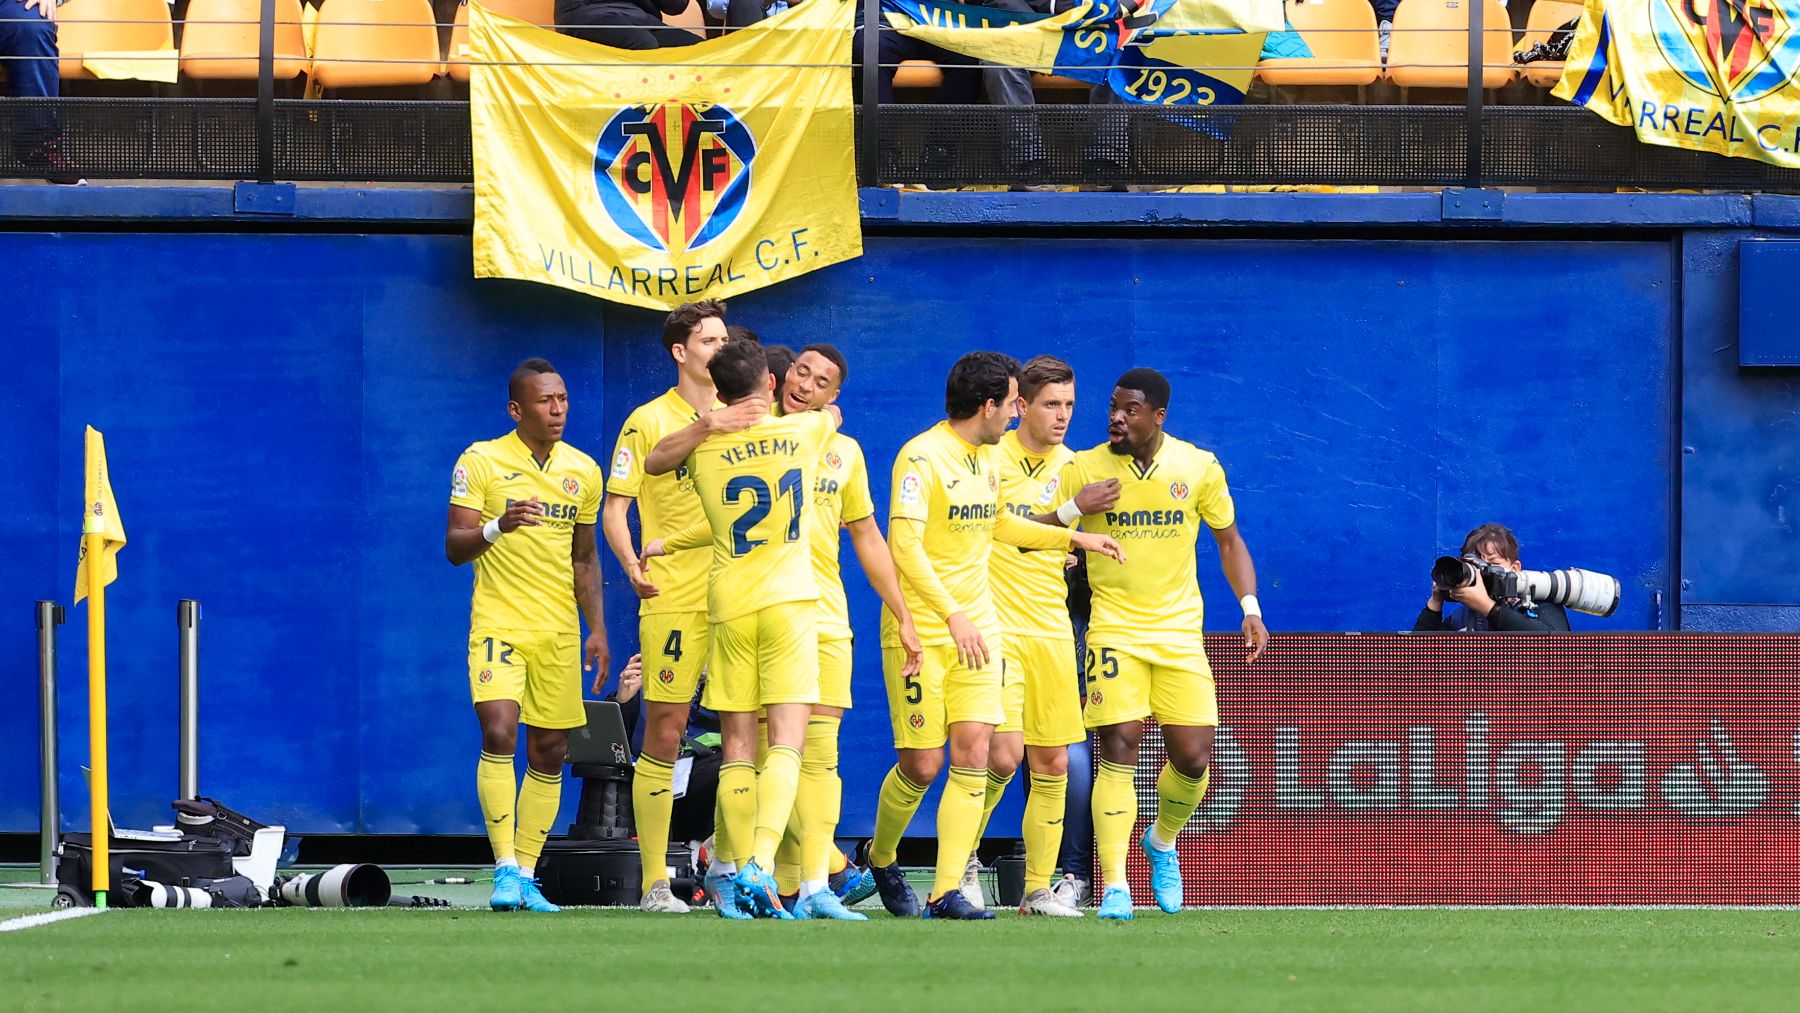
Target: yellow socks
(894,809)
(776,784)
(652,801)
(958,822)
(1115,814)
(496,786)
(820,799)
(1043,828)
(996,788)
(1177,795)
(735,822)
(540,796)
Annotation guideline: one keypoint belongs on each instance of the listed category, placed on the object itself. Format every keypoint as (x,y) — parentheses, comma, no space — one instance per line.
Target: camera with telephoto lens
(1596,594)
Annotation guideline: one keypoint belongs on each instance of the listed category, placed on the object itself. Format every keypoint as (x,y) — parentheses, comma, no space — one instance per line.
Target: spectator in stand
(622,24)
(28,41)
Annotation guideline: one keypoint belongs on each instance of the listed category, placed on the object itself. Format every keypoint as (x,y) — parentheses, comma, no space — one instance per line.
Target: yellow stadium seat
(1430,45)
(375,43)
(1545,17)
(219,40)
(538,12)
(96,27)
(918,74)
(1341,34)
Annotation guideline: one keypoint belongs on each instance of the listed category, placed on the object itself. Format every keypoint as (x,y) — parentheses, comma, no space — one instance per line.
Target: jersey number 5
(763,501)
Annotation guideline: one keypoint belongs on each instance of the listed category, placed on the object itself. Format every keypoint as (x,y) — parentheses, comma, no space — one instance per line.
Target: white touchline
(48,918)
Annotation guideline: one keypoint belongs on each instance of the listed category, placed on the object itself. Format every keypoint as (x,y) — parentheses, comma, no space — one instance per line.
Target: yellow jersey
(1157,522)
(1029,591)
(525,582)
(666,503)
(754,487)
(840,496)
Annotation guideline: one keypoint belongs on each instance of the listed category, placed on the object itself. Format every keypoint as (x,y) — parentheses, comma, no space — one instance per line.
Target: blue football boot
(1115,904)
(825,905)
(532,899)
(1165,875)
(953,906)
(723,892)
(896,893)
(853,885)
(506,889)
(759,887)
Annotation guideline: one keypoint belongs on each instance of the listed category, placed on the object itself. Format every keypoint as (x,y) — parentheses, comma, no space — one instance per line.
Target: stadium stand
(1430,47)
(108,29)
(1343,40)
(375,43)
(538,12)
(219,40)
(1545,17)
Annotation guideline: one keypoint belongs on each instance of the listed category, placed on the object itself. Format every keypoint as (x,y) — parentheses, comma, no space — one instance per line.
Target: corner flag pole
(93,545)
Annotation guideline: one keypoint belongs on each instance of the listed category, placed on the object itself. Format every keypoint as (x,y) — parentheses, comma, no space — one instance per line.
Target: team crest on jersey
(571,486)
(1096,698)
(1178,490)
(1049,492)
(622,463)
(674,177)
(833,461)
(909,489)
(917,720)
(993,482)
(459,481)
(486,676)
(666,676)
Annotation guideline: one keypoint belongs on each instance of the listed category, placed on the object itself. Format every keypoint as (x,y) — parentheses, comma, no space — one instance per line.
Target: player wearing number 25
(761,603)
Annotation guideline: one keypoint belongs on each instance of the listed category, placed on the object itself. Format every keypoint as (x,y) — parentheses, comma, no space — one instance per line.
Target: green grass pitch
(471,959)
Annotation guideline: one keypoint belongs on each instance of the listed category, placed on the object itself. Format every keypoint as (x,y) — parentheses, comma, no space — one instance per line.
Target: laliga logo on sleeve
(674,177)
(1739,50)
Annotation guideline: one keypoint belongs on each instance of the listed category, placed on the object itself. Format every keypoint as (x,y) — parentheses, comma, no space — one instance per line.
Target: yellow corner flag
(100,516)
(659,177)
(102,535)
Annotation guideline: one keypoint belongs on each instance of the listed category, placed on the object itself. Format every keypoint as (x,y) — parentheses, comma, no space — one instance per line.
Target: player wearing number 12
(522,509)
(762,605)
(1145,655)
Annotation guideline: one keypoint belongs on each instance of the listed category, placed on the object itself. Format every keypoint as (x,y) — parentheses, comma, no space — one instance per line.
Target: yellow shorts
(1050,709)
(944,692)
(541,671)
(1012,695)
(1130,682)
(675,653)
(770,656)
(835,657)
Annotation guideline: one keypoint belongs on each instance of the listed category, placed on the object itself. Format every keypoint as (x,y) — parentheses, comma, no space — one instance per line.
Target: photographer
(1495,545)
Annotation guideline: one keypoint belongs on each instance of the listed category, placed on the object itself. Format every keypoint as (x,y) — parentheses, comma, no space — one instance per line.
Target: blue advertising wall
(282,409)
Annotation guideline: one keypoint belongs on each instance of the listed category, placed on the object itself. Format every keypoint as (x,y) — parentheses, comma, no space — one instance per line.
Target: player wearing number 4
(522,509)
(1145,655)
(944,519)
(762,604)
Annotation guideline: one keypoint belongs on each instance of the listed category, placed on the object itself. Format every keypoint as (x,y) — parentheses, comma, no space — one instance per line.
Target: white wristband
(491,531)
(1251,606)
(1068,513)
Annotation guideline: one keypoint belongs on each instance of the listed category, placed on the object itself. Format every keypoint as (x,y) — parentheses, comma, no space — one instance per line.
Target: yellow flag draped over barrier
(660,177)
(1710,75)
(102,535)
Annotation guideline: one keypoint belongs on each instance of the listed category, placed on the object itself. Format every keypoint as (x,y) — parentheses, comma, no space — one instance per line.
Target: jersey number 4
(763,500)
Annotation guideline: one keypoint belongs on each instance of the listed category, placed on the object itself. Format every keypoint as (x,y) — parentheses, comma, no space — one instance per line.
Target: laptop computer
(603,739)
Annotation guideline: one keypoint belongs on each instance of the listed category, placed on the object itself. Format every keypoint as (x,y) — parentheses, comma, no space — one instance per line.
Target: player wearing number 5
(762,603)
(523,508)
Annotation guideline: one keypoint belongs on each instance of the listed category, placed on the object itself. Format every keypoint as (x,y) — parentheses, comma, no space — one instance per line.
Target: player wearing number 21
(762,605)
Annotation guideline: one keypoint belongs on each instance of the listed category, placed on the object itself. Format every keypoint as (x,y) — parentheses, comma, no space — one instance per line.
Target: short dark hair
(682,320)
(739,369)
(522,374)
(976,379)
(1148,382)
(836,357)
(1041,372)
(738,332)
(1498,535)
(780,358)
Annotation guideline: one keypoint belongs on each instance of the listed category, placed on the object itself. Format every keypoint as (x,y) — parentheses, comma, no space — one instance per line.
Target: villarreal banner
(660,177)
(1711,75)
(1160,52)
